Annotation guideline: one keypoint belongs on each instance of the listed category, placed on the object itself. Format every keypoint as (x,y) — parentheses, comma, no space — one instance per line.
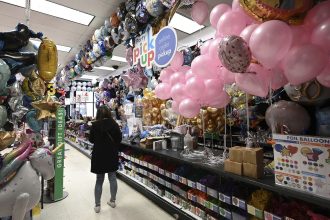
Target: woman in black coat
(105,134)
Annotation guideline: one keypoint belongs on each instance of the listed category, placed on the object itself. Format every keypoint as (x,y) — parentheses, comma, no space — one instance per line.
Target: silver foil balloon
(309,93)
(142,14)
(131,24)
(3,115)
(155,7)
(4,75)
(14,102)
(287,118)
(19,113)
(15,90)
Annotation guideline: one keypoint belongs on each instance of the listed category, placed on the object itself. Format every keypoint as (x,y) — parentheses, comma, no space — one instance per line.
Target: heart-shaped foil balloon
(234,54)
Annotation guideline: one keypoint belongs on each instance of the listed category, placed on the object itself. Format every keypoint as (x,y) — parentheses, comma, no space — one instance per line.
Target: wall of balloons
(122,27)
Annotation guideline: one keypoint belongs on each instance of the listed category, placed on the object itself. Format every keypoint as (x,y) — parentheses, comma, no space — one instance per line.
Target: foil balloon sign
(158,50)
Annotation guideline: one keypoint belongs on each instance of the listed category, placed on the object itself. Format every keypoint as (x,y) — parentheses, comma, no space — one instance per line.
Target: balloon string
(27,12)
(270,93)
(231,137)
(247,114)
(225,137)
(203,126)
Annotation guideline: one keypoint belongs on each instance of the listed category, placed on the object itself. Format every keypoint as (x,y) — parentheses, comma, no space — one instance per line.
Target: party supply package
(303,163)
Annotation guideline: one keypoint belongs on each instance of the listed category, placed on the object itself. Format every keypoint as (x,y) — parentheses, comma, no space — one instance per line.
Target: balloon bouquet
(24,72)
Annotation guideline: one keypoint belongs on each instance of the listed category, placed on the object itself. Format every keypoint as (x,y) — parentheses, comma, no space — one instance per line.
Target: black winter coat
(105,150)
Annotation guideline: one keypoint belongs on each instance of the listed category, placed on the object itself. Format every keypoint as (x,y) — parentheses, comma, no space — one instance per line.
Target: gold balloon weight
(46,108)
(47,59)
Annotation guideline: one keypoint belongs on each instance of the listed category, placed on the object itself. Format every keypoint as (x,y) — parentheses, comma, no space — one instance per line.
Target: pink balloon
(231,23)
(278,79)
(195,87)
(165,75)
(200,12)
(217,12)
(177,77)
(255,82)
(189,108)
(220,101)
(213,88)
(247,32)
(226,76)
(204,67)
(177,92)
(318,14)
(175,106)
(300,35)
(321,35)
(205,47)
(213,50)
(162,91)
(237,7)
(303,63)
(324,77)
(177,61)
(184,68)
(270,41)
(189,74)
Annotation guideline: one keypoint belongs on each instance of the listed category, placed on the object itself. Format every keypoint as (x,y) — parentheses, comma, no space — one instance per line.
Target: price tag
(270,216)
(225,213)
(192,184)
(215,208)
(212,192)
(201,187)
(168,174)
(175,177)
(254,211)
(161,171)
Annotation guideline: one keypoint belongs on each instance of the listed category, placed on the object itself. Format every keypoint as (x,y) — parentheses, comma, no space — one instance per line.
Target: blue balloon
(27,101)
(31,120)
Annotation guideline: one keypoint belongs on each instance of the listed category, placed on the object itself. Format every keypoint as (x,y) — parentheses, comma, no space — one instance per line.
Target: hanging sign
(158,50)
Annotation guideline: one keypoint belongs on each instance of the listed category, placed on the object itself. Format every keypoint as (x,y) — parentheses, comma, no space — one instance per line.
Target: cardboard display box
(236,154)
(252,170)
(233,167)
(253,156)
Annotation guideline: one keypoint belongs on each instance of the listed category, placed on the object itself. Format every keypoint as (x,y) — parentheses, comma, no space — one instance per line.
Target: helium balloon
(114,21)
(3,115)
(7,138)
(187,56)
(234,54)
(18,60)
(129,55)
(47,59)
(131,23)
(121,11)
(130,5)
(217,12)
(287,117)
(142,14)
(189,108)
(4,75)
(115,35)
(32,121)
(155,7)
(200,12)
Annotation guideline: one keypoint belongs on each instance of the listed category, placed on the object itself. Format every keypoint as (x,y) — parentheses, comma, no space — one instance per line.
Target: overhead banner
(158,50)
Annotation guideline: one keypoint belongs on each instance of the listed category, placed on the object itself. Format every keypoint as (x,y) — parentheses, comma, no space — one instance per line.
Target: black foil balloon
(130,5)
(14,40)
(131,23)
(115,35)
(142,14)
(187,56)
(27,70)
(17,60)
(121,11)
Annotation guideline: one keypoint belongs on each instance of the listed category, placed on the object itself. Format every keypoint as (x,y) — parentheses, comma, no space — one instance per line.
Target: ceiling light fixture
(184,24)
(104,68)
(56,10)
(59,47)
(90,77)
(120,59)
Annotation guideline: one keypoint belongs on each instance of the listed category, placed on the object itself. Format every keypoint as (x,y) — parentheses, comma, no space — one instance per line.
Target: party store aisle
(79,182)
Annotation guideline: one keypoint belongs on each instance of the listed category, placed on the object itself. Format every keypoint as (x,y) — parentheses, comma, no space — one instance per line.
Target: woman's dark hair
(103,112)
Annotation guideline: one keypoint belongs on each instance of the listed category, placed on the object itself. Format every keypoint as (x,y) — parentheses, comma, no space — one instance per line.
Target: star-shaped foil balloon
(46,108)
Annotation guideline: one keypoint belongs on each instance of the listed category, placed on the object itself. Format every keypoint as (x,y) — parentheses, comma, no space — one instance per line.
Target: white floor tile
(79,205)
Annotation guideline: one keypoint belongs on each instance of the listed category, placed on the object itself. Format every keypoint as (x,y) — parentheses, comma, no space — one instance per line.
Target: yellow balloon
(47,59)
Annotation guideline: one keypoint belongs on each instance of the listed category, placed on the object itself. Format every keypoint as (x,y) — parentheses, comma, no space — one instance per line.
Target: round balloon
(130,5)
(288,118)
(131,23)
(142,14)
(122,32)
(33,123)
(121,11)
(234,54)
(115,35)
(155,7)
(114,21)
(4,75)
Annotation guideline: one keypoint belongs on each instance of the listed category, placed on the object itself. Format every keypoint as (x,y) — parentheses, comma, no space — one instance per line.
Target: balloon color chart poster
(303,163)
(158,50)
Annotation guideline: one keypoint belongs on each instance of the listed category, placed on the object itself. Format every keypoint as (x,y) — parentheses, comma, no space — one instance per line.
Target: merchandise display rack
(267,182)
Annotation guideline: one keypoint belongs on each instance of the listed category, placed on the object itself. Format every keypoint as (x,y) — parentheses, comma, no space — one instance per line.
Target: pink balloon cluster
(286,54)
(192,88)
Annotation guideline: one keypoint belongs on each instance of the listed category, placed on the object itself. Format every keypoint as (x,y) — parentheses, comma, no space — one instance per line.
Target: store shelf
(175,210)
(266,183)
(79,148)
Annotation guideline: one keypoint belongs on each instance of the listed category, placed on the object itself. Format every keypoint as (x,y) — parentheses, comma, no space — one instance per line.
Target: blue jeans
(98,187)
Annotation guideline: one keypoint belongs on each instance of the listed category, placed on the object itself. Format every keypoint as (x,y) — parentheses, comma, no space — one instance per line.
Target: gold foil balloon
(46,108)
(27,90)
(38,87)
(47,59)
(7,138)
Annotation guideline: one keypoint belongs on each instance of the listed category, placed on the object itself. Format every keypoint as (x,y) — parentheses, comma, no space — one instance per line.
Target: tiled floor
(79,182)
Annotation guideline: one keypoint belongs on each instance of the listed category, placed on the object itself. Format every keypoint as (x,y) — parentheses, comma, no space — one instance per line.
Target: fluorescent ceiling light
(56,10)
(59,47)
(104,68)
(184,24)
(120,59)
